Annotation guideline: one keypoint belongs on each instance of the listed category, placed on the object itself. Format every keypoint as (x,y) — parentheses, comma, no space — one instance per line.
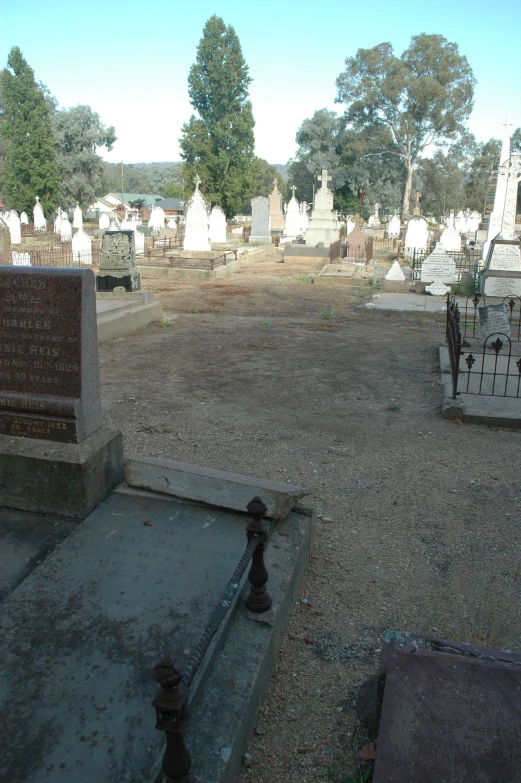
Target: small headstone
(49,383)
(374,220)
(393,227)
(438,265)
(118,263)
(171,223)
(304,219)
(217,225)
(5,243)
(197,221)
(77,220)
(416,235)
(40,224)
(437,289)
(293,219)
(81,248)
(395,273)
(493,322)
(450,239)
(24,220)
(139,240)
(157,218)
(104,221)
(260,221)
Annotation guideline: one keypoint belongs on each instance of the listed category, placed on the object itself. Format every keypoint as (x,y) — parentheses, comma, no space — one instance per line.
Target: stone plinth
(502,275)
(67,479)
(49,373)
(117,267)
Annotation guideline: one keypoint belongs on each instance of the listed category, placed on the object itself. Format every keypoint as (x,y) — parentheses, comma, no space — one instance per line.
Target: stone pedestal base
(66,479)
(259,240)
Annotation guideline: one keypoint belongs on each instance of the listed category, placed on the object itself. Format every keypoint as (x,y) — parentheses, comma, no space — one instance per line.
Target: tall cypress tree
(219,143)
(30,167)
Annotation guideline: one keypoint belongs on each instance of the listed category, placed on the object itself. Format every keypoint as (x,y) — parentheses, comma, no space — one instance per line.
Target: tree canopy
(29,162)
(404,105)
(218,144)
(78,133)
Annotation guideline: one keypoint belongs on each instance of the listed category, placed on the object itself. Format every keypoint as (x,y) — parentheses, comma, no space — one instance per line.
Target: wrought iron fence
(172,699)
(360,252)
(385,244)
(59,256)
(470,316)
(492,369)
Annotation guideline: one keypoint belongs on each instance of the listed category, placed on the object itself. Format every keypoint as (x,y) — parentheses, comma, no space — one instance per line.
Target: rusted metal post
(258,600)
(170,704)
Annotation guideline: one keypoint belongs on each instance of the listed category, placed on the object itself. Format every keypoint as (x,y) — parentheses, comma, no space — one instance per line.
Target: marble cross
(293,189)
(197,180)
(508,125)
(324,179)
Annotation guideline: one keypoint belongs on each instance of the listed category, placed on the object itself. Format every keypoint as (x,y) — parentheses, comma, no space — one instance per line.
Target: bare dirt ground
(269,375)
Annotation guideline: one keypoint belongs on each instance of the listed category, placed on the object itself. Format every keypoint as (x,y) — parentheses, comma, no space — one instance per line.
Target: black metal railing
(171,702)
(492,369)
(57,256)
(465,262)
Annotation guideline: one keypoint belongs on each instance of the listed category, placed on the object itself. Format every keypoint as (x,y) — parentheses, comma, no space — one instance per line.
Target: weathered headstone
(374,220)
(197,221)
(13,223)
(276,213)
(416,235)
(304,218)
(323,224)
(393,227)
(260,221)
(293,219)
(139,240)
(118,263)
(5,243)
(438,266)
(55,454)
(103,221)
(157,218)
(493,321)
(450,239)
(395,273)
(24,220)
(77,220)
(40,224)
(217,225)
(81,248)
(356,243)
(65,228)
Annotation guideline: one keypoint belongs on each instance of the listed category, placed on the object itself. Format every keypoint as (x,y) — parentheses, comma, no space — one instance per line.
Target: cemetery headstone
(395,273)
(450,239)
(495,221)
(502,275)
(374,220)
(350,224)
(157,218)
(117,267)
(15,229)
(103,221)
(276,213)
(5,243)
(493,322)
(437,288)
(55,454)
(293,219)
(217,225)
(139,240)
(304,219)
(393,227)
(197,221)
(438,266)
(65,228)
(260,221)
(77,220)
(323,225)
(24,220)
(356,243)
(416,235)
(40,224)
(81,248)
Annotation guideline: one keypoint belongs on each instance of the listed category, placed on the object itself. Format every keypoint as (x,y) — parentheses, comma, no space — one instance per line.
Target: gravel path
(268,375)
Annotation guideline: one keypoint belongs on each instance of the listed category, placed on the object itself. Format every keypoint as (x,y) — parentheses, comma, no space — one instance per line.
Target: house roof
(149,199)
(171,203)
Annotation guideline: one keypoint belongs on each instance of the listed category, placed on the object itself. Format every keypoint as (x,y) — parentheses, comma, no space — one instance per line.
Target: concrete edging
(120,323)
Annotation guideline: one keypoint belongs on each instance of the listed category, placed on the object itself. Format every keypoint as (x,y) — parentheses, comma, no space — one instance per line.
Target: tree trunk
(408,188)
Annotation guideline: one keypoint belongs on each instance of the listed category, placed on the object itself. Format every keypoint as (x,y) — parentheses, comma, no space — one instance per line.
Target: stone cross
(417,210)
(511,172)
(37,199)
(508,125)
(293,189)
(376,208)
(324,179)
(197,180)
(275,182)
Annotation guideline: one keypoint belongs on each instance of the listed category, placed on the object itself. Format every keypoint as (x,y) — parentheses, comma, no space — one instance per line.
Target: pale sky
(130,61)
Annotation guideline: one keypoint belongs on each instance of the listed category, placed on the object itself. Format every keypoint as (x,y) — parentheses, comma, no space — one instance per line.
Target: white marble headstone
(24,220)
(395,273)
(104,221)
(437,289)
(217,225)
(438,265)
(77,220)
(13,223)
(81,247)
(197,222)
(40,224)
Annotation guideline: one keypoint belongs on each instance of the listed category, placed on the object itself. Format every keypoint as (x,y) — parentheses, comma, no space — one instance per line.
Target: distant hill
(282,168)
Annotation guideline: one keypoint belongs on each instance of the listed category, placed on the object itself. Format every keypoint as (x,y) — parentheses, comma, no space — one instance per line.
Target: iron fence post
(171,711)
(258,600)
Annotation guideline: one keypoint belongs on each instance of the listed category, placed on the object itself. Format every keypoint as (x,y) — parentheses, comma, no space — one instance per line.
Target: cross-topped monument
(508,124)
(511,172)
(417,210)
(197,181)
(293,189)
(324,179)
